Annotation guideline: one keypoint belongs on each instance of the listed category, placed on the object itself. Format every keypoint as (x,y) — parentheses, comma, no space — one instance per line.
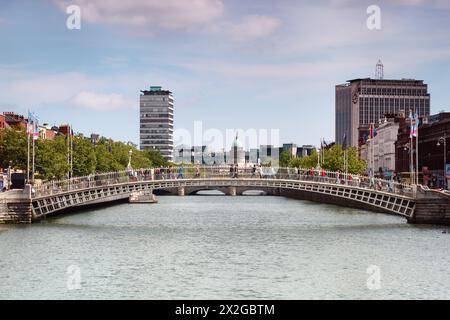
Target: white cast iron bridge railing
(345,195)
(217,172)
(376,195)
(220,172)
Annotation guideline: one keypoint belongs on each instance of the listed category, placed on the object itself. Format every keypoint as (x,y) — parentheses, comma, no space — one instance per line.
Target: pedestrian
(338,177)
(372,182)
(311,172)
(197,171)
(180,172)
(231,171)
(236,171)
(391,185)
(254,171)
(323,174)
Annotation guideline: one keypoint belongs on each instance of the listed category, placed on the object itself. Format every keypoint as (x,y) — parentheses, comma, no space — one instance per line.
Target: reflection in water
(220,247)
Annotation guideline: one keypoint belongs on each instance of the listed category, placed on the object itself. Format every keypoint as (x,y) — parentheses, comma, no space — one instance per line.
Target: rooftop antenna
(379,70)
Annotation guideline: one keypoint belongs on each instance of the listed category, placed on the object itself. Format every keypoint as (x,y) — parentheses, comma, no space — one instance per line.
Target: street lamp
(129,168)
(8,187)
(407,147)
(442,140)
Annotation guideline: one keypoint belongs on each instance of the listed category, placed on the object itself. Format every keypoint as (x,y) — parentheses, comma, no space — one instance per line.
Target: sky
(232,64)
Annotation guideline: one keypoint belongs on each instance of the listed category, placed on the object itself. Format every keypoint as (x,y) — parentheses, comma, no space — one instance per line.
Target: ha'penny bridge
(413,202)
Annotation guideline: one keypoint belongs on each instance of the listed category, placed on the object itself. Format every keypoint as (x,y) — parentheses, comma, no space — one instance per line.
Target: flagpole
(68,152)
(32,172)
(71,152)
(372,136)
(411,160)
(28,148)
(417,147)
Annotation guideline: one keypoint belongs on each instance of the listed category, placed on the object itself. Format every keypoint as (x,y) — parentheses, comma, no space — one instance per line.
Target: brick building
(431,153)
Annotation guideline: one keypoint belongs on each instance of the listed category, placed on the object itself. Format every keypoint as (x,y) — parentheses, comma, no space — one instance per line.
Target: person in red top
(350,179)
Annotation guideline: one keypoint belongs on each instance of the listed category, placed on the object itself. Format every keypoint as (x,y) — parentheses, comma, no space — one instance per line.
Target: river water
(218,247)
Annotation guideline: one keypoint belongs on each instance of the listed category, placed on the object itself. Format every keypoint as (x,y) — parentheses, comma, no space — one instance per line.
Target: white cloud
(24,88)
(167,14)
(254,27)
(440,4)
(27,90)
(102,102)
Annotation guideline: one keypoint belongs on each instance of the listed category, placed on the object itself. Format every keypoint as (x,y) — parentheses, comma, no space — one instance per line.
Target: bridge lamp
(442,140)
(129,158)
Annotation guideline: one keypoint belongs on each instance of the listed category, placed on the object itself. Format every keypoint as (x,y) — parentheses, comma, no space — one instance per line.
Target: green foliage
(285,158)
(51,158)
(13,148)
(51,155)
(84,158)
(305,162)
(333,160)
(156,158)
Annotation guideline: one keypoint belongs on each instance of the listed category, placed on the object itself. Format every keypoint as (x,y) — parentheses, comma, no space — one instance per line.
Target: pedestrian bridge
(326,187)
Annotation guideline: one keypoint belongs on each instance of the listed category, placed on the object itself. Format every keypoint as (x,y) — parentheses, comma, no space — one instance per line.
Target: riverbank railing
(220,172)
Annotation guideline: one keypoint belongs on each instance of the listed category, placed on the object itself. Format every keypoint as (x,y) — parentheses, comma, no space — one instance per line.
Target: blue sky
(232,64)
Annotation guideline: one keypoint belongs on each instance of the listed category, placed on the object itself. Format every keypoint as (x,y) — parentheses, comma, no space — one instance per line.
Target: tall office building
(360,102)
(156,121)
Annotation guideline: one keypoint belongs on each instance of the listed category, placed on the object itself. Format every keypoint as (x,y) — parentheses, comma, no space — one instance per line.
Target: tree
(104,158)
(13,148)
(84,159)
(334,160)
(51,158)
(155,157)
(285,158)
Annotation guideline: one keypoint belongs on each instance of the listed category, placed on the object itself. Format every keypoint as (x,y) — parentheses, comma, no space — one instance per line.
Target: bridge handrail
(168,173)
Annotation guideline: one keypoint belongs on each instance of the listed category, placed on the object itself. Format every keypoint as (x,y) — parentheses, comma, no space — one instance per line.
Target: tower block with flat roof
(156,121)
(360,102)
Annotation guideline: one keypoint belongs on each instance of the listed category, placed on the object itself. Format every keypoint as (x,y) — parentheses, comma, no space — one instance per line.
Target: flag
(412,125)
(30,123)
(416,125)
(33,126)
(35,131)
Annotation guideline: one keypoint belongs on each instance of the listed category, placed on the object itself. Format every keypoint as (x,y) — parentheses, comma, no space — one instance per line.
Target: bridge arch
(325,192)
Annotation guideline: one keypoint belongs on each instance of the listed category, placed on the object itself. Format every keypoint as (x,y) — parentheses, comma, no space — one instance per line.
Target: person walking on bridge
(197,171)
(180,172)
(338,177)
(254,171)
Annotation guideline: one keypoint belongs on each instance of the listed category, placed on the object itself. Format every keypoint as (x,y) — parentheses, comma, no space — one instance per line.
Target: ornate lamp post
(129,167)
(442,140)
(407,147)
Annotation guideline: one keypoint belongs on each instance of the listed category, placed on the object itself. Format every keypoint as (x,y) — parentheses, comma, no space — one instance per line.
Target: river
(219,247)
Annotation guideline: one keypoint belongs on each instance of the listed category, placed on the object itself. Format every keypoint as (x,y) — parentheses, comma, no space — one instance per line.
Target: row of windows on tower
(394,91)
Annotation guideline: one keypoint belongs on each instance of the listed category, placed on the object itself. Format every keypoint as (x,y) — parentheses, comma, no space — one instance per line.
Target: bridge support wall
(431,208)
(15,206)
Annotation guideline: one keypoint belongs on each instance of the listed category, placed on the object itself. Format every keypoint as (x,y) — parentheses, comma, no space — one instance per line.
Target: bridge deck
(96,191)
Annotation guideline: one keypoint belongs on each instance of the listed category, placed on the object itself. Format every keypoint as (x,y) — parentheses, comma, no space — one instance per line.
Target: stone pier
(232,191)
(15,206)
(181,191)
(432,207)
